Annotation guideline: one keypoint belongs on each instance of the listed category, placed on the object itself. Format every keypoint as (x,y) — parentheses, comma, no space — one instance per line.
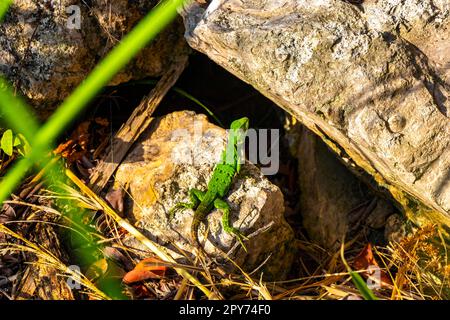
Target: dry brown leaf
(77,145)
(365,260)
(149,268)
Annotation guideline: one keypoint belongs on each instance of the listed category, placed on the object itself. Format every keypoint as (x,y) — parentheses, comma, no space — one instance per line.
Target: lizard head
(236,138)
(238,129)
(241,125)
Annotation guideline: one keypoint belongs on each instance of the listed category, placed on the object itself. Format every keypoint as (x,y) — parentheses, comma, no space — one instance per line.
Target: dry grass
(418,265)
(47,258)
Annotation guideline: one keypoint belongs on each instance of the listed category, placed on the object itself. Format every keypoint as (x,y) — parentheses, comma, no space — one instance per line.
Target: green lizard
(229,165)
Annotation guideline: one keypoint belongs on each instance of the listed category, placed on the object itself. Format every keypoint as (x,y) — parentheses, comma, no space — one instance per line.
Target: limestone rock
(426,25)
(178,153)
(375,98)
(46,53)
(333,202)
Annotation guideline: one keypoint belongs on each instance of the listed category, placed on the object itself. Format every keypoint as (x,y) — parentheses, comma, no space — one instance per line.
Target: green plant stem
(4,6)
(16,113)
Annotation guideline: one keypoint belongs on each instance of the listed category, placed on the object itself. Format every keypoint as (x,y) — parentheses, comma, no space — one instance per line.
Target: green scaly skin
(219,185)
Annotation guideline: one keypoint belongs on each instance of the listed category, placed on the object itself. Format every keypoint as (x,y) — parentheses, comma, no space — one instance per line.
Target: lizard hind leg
(225,208)
(195,197)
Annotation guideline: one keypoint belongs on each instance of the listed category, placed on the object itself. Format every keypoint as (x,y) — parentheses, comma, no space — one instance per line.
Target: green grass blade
(130,45)
(4,6)
(144,32)
(16,113)
(195,100)
(187,95)
(19,116)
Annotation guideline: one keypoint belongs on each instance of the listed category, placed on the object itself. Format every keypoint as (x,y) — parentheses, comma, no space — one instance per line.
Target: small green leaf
(6,144)
(25,147)
(4,5)
(17,141)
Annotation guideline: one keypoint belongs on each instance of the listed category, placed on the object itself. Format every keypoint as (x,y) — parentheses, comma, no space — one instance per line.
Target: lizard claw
(171,215)
(178,207)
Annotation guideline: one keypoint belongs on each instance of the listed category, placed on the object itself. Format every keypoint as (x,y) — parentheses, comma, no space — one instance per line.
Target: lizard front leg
(195,197)
(225,208)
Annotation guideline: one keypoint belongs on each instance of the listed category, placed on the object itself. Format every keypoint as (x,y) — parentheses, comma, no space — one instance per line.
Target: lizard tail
(194,238)
(194,233)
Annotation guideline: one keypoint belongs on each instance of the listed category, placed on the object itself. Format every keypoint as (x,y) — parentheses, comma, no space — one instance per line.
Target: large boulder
(351,75)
